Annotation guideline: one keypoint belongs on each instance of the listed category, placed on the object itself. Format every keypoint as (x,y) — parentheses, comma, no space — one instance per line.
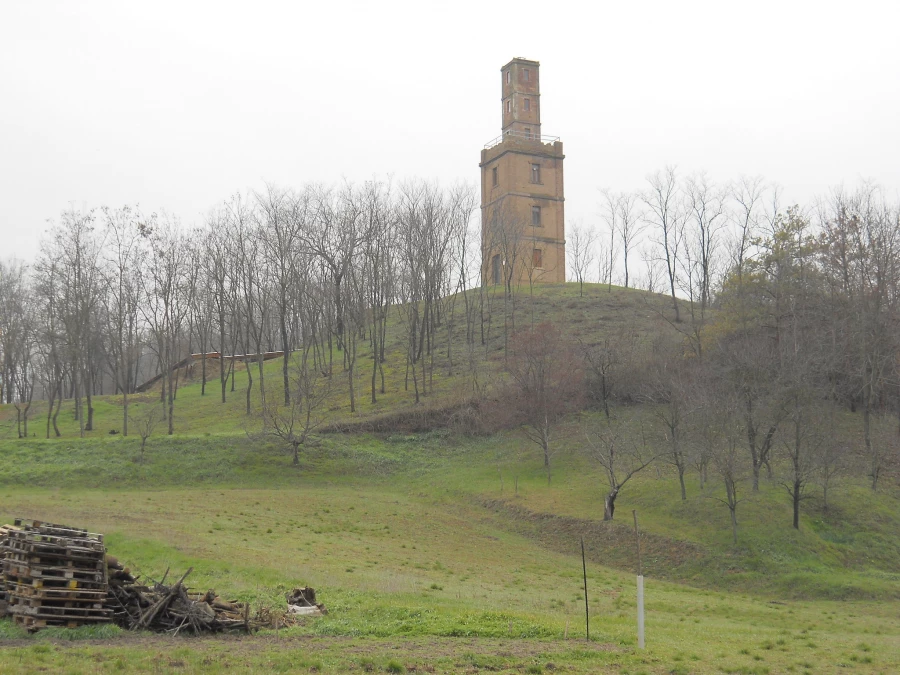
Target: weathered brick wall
(515,195)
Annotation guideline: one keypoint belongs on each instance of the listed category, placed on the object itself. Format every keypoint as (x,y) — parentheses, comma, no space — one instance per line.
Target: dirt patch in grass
(607,543)
(412,419)
(422,649)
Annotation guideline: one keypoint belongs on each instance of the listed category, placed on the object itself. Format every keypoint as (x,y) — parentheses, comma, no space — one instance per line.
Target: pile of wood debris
(161,608)
(73,581)
(302,602)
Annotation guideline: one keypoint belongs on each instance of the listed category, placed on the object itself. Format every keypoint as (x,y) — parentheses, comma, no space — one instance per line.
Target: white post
(640,585)
(640,611)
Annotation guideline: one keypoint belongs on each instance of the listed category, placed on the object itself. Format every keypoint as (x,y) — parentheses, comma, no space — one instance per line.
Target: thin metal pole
(587,615)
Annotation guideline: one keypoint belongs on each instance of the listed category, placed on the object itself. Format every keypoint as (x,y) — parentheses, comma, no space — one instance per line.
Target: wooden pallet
(57,530)
(57,583)
(78,547)
(33,623)
(72,613)
(91,603)
(60,594)
(42,559)
(46,539)
(27,571)
(25,555)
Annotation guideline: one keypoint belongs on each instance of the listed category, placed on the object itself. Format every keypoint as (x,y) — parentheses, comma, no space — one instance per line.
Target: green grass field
(443,553)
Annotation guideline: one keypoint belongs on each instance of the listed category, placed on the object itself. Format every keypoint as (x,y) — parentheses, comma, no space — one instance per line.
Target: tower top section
(520,87)
(521,98)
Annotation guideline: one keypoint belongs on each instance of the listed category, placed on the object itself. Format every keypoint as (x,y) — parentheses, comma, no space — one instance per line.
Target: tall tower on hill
(522,214)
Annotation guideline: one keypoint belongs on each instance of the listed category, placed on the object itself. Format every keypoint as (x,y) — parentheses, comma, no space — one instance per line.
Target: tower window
(495,177)
(508,76)
(536,216)
(527,104)
(536,175)
(537,258)
(527,74)
(509,106)
(495,269)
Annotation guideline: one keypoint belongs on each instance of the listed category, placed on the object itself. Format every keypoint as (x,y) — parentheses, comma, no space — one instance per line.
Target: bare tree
(747,194)
(624,218)
(506,253)
(832,463)
(653,278)
(707,218)
(580,251)
(605,364)
(801,370)
(669,389)
(73,252)
(24,377)
(250,280)
(801,446)
(861,257)
(295,423)
(413,287)
(145,421)
(620,457)
(165,307)
(379,260)
(123,266)
(460,207)
(666,216)
(216,269)
(284,217)
(721,433)
(730,464)
(50,338)
(606,260)
(547,384)
(11,287)
(201,304)
(18,331)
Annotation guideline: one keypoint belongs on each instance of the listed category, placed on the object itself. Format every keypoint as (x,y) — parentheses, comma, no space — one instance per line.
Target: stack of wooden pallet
(55,575)
(4,542)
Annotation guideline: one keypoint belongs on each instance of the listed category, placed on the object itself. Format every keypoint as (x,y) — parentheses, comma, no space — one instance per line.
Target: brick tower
(522,215)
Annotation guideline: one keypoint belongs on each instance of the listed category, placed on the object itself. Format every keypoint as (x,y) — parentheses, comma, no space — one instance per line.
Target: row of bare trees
(792,377)
(777,314)
(679,235)
(118,296)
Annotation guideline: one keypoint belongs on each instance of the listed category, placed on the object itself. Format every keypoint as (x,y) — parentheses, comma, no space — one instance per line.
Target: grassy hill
(442,552)
(587,318)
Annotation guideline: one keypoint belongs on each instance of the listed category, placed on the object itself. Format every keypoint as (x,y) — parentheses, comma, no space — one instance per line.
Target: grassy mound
(442,552)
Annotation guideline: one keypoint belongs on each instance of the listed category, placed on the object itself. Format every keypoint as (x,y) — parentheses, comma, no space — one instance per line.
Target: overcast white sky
(176,106)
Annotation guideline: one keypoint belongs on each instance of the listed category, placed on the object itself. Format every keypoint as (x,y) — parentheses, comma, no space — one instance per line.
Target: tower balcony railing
(526,135)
